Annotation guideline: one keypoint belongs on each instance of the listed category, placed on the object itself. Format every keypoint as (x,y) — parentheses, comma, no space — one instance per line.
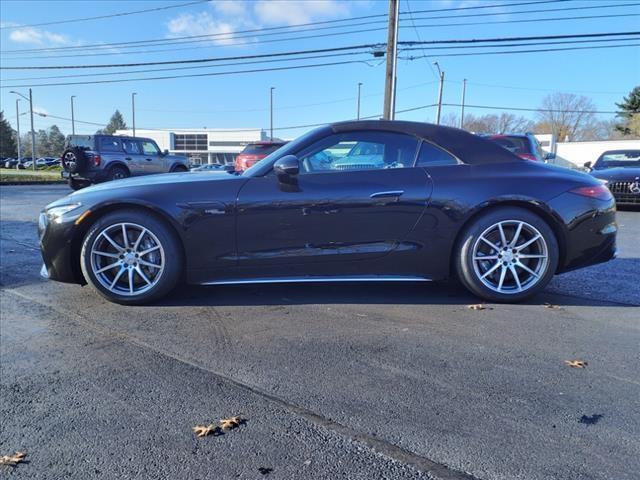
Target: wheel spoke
(503,273)
(108,267)
(514,273)
(492,245)
(116,278)
(503,238)
(149,250)
(112,242)
(486,257)
(514,241)
(131,280)
(148,264)
(528,242)
(139,239)
(124,236)
(527,255)
(527,269)
(105,254)
(142,275)
(491,270)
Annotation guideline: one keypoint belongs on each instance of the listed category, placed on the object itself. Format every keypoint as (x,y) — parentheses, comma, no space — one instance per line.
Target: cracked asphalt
(335,381)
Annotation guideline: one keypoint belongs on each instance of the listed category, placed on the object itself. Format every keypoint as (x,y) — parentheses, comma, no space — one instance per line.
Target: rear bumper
(89,176)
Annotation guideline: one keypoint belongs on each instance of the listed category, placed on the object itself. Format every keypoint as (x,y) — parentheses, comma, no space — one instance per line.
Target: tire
(76,184)
(512,272)
(179,168)
(117,173)
(74,160)
(117,273)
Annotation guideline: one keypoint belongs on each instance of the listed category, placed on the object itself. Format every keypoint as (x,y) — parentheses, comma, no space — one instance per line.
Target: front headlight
(55,213)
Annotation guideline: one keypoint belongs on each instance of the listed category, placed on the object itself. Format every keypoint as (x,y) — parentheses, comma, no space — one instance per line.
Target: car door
(339,209)
(133,156)
(154,161)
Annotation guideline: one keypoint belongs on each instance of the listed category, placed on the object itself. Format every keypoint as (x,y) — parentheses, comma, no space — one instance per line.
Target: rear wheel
(179,168)
(76,184)
(117,172)
(507,255)
(131,257)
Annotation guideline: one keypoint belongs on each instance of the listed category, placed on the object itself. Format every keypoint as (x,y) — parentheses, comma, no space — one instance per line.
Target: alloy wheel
(127,259)
(510,257)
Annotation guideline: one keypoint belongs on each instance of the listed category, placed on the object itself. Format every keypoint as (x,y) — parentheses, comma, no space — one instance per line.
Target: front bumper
(56,247)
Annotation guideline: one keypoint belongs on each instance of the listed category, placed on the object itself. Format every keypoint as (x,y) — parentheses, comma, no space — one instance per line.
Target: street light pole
(18,129)
(439,111)
(359,86)
(271,113)
(392,58)
(73,121)
(133,112)
(33,132)
(464,92)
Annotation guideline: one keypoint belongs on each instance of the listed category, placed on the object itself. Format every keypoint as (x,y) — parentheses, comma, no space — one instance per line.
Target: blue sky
(303,96)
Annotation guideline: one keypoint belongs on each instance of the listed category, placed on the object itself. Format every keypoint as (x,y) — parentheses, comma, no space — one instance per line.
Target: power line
(255,31)
(413,23)
(513,39)
(100,17)
(524,109)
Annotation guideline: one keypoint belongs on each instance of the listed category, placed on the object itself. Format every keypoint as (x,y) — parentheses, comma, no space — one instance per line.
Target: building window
(190,141)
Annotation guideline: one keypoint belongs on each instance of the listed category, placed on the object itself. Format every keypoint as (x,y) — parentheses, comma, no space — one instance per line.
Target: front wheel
(507,255)
(131,257)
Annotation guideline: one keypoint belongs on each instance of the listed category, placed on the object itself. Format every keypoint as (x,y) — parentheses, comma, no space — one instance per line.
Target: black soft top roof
(466,146)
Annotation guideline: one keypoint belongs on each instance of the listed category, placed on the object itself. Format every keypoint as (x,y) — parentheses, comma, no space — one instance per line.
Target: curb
(48,182)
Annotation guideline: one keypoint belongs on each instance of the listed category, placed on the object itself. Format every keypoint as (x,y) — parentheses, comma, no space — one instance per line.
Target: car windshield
(514,144)
(621,158)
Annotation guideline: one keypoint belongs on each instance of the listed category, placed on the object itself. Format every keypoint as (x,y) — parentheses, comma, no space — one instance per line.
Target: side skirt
(371,278)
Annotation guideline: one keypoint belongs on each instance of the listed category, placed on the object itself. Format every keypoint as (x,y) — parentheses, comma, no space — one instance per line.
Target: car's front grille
(622,192)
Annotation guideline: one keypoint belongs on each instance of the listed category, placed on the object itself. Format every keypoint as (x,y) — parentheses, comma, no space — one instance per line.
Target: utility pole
(133,112)
(73,121)
(464,92)
(18,129)
(358,111)
(271,113)
(439,93)
(392,57)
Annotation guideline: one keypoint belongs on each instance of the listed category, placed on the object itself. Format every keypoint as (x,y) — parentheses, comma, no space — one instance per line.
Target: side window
(431,156)
(110,144)
(131,146)
(149,148)
(359,151)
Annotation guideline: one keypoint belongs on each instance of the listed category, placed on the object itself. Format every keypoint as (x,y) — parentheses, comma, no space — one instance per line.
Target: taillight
(601,192)
(528,156)
(96,160)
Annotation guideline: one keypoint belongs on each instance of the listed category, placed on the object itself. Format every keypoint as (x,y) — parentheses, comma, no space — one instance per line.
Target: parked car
(211,167)
(620,170)
(10,162)
(524,145)
(100,158)
(254,152)
(444,203)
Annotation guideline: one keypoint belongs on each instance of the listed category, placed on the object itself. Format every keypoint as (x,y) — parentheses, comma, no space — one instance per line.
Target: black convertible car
(620,169)
(353,201)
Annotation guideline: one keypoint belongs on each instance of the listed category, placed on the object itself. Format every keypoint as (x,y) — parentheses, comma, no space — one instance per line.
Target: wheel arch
(99,212)
(178,165)
(543,211)
(117,163)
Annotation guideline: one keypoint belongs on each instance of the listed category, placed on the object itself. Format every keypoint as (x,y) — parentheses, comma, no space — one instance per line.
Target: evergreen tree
(56,141)
(43,147)
(7,141)
(115,123)
(629,109)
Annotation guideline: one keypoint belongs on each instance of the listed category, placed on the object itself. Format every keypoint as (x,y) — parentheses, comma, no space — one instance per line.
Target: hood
(622,174)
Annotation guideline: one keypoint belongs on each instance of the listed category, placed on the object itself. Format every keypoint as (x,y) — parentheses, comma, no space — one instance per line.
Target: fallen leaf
(591,419)
(265,470)
(478,306)
(576,363)
(551,305)
(14,459)
(229,423)
(202,431)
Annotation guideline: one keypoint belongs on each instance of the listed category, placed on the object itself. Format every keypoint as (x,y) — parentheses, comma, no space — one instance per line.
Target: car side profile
(442,203)
(91,159)
(524,145)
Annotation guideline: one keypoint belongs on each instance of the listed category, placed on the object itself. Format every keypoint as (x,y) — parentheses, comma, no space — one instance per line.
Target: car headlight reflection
(54,214)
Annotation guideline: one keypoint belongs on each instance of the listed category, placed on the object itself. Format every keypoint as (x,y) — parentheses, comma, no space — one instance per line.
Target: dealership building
(202,145)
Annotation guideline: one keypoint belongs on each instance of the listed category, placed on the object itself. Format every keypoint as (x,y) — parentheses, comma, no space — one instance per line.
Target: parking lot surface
(334,381)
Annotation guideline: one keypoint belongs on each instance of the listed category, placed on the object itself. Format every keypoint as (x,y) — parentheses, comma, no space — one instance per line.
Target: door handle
(127,158)
(387,194)
(149,159)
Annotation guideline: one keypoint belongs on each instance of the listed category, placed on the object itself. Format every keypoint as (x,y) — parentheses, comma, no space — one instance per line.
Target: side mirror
(550,156)
(165,153)
(287,168)
(587,165)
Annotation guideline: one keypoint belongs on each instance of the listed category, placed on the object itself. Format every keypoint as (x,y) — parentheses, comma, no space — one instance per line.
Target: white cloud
(298,11)
(36,36)
(201,24)
(231,7)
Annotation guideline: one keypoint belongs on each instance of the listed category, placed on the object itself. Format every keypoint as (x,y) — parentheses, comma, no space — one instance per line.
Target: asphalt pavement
(334,381)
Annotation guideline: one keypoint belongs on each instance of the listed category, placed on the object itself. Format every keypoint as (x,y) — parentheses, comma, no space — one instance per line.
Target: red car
(524,145)
(255,152)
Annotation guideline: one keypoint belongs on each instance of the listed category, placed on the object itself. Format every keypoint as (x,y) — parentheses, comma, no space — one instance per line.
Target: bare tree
(566,115)
(503,123)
